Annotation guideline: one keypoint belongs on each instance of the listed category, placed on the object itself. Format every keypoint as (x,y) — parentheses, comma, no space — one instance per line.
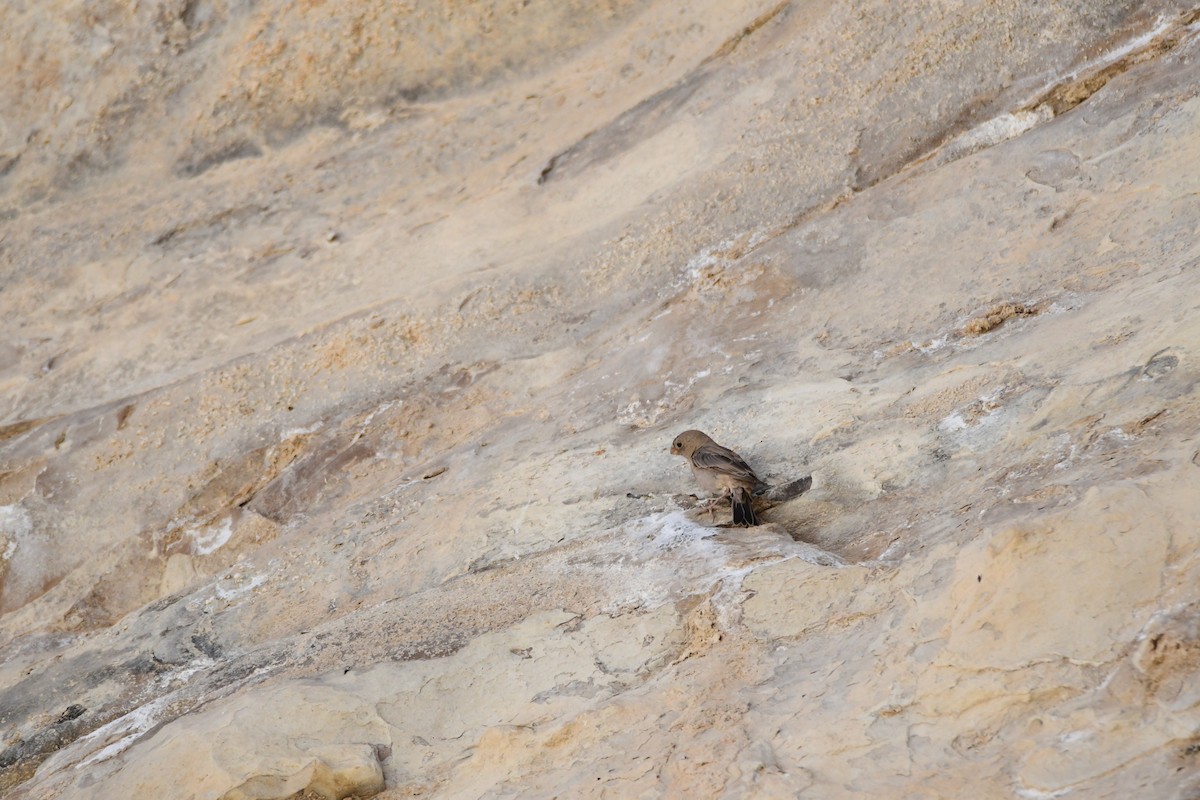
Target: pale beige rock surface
(343,344)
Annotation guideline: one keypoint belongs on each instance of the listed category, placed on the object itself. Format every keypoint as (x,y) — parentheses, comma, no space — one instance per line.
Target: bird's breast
(709,480)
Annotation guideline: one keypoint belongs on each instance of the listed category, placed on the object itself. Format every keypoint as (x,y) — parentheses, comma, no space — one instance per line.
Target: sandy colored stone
(1076,585)
(782,605)
(342,344)
(178,574)
(327,735)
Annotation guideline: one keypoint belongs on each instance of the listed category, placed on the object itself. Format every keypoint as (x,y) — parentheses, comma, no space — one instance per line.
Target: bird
(719,469)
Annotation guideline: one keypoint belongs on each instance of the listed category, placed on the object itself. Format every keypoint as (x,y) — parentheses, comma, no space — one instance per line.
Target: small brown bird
(719,469)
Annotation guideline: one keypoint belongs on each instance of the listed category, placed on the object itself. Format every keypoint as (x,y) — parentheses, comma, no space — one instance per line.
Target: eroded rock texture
(343,344)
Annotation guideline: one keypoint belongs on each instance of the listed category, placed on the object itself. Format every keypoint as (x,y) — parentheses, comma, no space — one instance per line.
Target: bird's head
(686,443)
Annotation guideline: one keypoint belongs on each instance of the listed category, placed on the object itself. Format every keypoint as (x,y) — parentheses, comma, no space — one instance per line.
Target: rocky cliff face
(343,345)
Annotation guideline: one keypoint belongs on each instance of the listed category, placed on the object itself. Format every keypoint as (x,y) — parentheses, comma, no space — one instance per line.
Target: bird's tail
(743,511)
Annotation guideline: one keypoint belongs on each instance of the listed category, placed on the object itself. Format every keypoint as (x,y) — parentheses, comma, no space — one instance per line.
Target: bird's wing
(723,460)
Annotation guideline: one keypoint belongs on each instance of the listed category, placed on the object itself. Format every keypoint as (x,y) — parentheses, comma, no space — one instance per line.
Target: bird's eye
(679,444)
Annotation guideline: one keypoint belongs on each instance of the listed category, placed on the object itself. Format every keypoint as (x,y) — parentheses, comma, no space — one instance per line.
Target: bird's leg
(709,506)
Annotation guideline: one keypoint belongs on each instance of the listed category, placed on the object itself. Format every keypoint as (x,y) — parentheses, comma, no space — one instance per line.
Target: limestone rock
(341,345)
